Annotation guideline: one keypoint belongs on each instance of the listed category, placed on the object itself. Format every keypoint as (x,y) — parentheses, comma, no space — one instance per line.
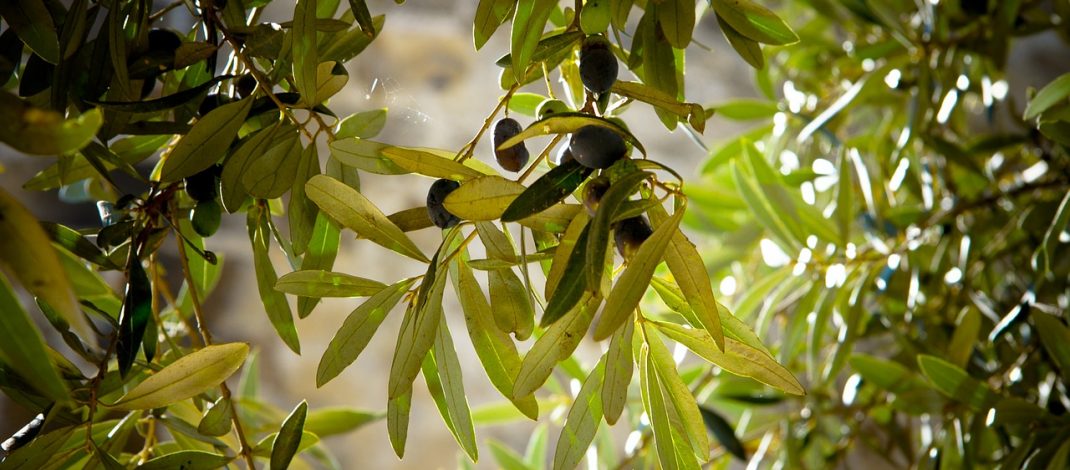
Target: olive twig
(542,156)
(466,151)
(206,336)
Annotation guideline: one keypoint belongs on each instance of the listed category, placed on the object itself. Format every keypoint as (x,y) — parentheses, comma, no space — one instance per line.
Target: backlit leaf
(678,394)
(188,376)
(555,345)
(304,51)
(529,19)
(754,21)
(187,460)
(442,370)
(202,146)
(23,348)
(567,123)
(510,303)
(418,330)
(32,22)
(484,198)
(489,15)
(315,283)
(582,420)
(429,164)
(37,131)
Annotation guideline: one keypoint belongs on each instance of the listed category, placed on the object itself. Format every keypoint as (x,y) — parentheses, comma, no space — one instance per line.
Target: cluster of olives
(203,188)
(594,147)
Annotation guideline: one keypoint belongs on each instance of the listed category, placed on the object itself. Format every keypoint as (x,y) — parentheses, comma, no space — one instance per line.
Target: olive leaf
(200,148)
(285,445)
(582,420)
(23,348)
(550,189)
(316,283)
(188,376)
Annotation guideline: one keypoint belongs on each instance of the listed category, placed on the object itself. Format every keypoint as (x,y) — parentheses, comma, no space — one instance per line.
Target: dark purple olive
(435,197)
(164,40)
(598,65)
(597,147)
(245,85)
(513,158)
(593,192)
(630,233)
(204,185)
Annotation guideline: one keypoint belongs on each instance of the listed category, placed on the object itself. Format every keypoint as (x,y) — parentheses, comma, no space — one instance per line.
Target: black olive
(204,185)
(598,65)
(513,158)
(593,192)
(441,217)
(630,233)
(164,40)
(597,147)
(245,85)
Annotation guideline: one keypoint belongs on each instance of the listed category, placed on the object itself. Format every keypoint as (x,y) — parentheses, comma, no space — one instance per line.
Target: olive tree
(893,222)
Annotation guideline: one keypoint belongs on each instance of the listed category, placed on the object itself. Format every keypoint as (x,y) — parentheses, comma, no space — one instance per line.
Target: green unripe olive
(204,185)
(441,217)
(593,192)
(513,158)
(205,217)
(597,147)
(630,233)
(598,65)
(550,107)
(595,16)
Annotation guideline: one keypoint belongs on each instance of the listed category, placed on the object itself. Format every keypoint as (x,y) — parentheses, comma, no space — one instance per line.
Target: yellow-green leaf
(619,368)
(305,54)
(366,155)
(357,330)
(204,145)
(679,395)
(755,21)
(632,284)
(677,19)
(187,460)
(529,19)
(28,255)
(317,283)
(22,348)
(581,424)
(484,198)
(353,210)
(490,14)
(663,101)
(418,329)
(442,371)
(737,358)
(556,344)
(428,164)
(188,376)
(748,49)
(37,131)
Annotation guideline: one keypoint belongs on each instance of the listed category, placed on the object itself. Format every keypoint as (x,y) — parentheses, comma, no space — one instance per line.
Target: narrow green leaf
(529,19)
(689,270)
(320,254)
(722,430)
(357,330)
(23,348)
(965,337)
(677,19)
(563,253)
(302,211)
(746,109)
(550,189)
(442,371)
(27,254)
(582,420)
(484,198)
(331,421)
(679,395)
(567,123)
(654,405)
(275,304)
(955,383)
(737,358)
(263,448)
(36,131)
(495,349)
(748,49)
(510,303)
(1053,93)
(429,164)
(635,279)
(135,314)
(550,49)
(661,100)
(32,22)
(217,419)
(201,147)
(1043,253)
(490,14)
(507,458)
(162,103)
(619,368)
(285,445)
(188,376)
(755,21)
(232,192)
(353,210)
(885,374)
(363,125)
(418,329)
(315,283)
(187,460)
(363,16)
(272,174)
(556,344)
(365,155)
(598,240)
(572,283)
(1055,337)
(305,53)
(397,421)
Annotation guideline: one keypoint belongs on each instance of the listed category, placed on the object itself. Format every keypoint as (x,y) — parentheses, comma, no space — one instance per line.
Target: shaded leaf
(325,422)
(748,49)
(619,368)
(510,303)
(722,430)
(304,50)
(429,164)
(1053,93)
(572,284)
(754,21)
(418,329)
(556,344)
(23,349)
(202,146)
(955,383)
(36,131)
(397,421)
(550,189)
(678,394)
(290,434)
(275,304)
(442,371)
(187,460)
(489,15)
(217,419)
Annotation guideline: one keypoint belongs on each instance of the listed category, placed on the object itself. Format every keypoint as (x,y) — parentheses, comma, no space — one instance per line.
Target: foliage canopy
(895,221)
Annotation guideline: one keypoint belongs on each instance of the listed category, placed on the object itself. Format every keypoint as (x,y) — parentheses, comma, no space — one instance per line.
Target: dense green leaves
(37,131)
(23,349)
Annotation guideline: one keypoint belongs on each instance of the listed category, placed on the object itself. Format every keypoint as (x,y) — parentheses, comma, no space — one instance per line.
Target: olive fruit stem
(246,450)
(542,156)
(466,151)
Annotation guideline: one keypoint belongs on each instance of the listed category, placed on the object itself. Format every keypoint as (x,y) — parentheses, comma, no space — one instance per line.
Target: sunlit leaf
(567,123)
(397,421)
(556,344)
(188,376)
(755,21)
(364,125)
(23,348)
(1053,93)
(484,198)
(529,19)
(200,148)
(429,164)
(678,394)
(315,283)
(489,15)
(510,303)
(325,422)
(581,423)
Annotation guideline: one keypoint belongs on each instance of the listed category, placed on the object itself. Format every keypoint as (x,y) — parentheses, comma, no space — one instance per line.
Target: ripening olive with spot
(550,107)
(598,65)
(513,158)
(597,147)
(441,217)
(204,185)
(593,192)
(630,233)
(205,217)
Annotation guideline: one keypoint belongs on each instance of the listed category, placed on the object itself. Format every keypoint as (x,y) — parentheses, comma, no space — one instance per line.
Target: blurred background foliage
(891,223)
